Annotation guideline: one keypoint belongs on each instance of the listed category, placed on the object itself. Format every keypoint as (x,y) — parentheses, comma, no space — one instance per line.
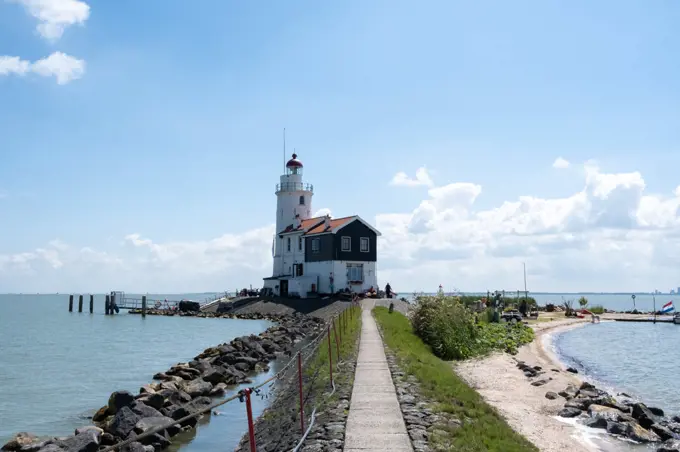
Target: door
(284,288)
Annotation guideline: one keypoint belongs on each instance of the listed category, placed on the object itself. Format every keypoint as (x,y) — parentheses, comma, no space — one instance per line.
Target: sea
(57,368)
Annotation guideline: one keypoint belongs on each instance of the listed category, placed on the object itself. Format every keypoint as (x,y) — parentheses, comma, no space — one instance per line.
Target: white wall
(323,271)
(370,276)
(288,202)
(294,256)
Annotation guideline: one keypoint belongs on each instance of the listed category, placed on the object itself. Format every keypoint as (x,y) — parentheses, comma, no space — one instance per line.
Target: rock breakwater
(619,415)
(183,390)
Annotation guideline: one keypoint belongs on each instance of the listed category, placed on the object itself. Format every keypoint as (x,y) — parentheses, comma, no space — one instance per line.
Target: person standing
(388,290)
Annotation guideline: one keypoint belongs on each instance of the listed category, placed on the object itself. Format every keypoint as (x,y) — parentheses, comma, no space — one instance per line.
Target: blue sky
(174,129)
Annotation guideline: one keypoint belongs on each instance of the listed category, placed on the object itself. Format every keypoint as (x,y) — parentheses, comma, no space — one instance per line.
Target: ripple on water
(58,367)
(640,359)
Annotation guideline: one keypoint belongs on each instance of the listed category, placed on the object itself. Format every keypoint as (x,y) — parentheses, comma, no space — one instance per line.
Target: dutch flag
(668,307)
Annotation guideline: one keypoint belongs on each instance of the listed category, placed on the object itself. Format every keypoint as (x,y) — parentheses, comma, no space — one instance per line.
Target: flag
(668,307)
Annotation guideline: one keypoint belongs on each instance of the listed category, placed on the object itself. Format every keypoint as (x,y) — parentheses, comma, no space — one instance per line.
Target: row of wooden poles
(80,303)
(109,304)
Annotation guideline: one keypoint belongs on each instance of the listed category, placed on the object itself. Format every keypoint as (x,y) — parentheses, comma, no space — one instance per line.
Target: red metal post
(340,327)
(302,407)
(330,355)
(337,343)
(251,429)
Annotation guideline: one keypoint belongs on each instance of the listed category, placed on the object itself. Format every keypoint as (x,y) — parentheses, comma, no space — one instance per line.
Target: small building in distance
(320,255)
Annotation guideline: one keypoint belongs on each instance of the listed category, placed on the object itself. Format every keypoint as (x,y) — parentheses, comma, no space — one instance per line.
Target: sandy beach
(525,407)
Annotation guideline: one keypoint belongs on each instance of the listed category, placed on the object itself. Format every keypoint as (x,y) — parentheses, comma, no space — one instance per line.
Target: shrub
(449,328)
(583,302)
(446,326)
(596,309)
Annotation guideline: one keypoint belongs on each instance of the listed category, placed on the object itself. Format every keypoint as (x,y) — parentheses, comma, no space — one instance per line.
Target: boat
(676,318)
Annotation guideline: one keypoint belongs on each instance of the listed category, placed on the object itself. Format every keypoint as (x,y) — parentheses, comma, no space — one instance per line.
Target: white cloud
(612,235)
(64,68)
(422,179)
(561,163)
(322,212)
(56,15)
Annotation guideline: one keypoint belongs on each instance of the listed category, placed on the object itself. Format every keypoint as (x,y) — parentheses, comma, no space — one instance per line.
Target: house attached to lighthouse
(322,254)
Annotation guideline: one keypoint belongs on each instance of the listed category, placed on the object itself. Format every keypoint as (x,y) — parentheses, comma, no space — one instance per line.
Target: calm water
(640,359)
(58,367)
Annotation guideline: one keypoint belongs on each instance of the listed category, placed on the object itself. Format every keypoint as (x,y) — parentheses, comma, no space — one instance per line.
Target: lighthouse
(321,255)
(293,205)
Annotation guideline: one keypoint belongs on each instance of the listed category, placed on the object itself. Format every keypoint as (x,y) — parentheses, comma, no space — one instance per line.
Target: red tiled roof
(305,224)
(334,223)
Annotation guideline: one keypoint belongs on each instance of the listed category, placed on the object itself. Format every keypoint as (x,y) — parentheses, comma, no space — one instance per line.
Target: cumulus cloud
(322,212)
(422,179)
(612,234)
(561,163)
(64,68)
(56,15)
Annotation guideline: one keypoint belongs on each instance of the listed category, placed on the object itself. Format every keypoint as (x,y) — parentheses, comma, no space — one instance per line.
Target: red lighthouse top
(294,162)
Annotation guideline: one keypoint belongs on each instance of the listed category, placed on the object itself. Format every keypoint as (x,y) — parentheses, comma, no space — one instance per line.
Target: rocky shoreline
(182,390)
(620,416)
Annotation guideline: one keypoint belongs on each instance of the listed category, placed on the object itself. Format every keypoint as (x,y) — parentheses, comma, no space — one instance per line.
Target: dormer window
(302,200)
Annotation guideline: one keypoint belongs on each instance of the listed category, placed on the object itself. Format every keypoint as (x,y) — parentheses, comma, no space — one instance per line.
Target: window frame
(302,200)
(360,269)
(300,243)
(342,244)
(366,240)
(316,249)
(288,245)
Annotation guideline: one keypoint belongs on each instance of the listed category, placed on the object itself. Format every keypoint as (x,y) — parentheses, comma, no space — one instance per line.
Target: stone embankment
(618,415)
(182,390)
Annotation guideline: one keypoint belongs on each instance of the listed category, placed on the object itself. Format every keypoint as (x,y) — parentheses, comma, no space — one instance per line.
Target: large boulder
(180,412)
(197,387)
(637,433)
(672,445)
(663,432)
(569,412)
(645,417)
(189,306)
(87,441)
(120,399)
(123,422)
(150,423)
(154,400)
(144,410)
(20,439)
(605,413)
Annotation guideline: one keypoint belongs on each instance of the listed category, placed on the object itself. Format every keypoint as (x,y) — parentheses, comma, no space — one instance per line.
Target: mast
(284,149)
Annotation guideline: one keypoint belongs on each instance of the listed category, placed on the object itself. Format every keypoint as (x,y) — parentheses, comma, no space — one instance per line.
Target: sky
(140,142)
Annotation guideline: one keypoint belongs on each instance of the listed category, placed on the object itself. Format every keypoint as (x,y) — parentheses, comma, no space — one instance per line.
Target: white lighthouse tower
(293,204)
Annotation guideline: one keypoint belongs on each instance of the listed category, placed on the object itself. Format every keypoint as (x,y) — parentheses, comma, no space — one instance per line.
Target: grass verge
(483,429)
(317,372)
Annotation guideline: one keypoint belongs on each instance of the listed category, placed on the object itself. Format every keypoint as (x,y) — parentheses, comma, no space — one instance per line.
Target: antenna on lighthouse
(284,149)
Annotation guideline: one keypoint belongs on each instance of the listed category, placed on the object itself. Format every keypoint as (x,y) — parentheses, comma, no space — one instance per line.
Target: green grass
(350,323)
(483,428)
(596,309)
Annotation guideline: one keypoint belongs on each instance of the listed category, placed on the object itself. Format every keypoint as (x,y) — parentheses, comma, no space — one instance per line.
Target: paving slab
(375,422)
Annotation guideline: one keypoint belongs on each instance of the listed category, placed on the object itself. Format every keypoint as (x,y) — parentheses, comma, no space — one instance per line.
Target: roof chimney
(298,222)
(327,221)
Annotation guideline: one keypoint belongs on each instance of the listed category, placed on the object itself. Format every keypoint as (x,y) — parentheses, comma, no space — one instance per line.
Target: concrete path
(375,422)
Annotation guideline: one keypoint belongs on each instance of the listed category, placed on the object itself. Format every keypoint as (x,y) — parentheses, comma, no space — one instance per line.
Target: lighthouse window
(288,245)
(302,200)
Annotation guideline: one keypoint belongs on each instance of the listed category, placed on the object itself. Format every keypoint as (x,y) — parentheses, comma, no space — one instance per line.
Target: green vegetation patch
(454,332)
(482,429)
